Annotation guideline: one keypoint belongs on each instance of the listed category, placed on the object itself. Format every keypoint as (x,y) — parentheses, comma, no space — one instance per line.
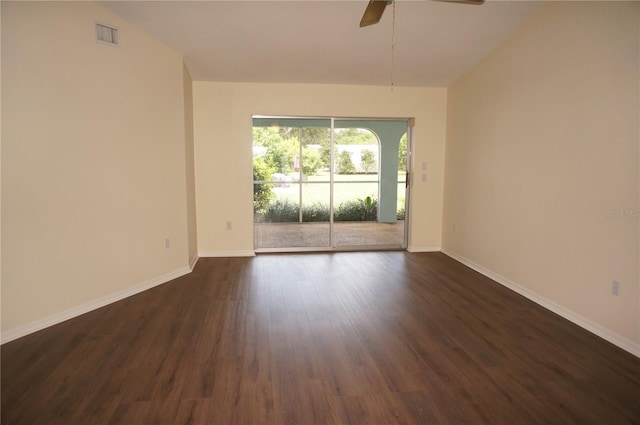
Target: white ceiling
(307,41)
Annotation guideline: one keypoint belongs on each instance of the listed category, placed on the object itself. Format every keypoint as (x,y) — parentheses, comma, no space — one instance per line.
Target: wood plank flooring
(337,338)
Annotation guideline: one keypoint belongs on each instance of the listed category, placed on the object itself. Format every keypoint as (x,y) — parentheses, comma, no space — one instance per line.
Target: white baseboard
(56,318)
(193,262)
(622,342)
(424,249)
(226,254)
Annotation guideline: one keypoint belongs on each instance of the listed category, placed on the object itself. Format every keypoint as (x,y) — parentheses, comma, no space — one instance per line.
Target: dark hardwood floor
(341,338)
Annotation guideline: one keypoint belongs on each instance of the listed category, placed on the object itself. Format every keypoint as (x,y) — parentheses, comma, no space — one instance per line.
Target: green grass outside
(347,187)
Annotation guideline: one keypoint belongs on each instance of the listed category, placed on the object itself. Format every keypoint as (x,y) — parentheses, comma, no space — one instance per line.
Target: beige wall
(222,123)
(542,142)
(93,161)
(192,231)
(0,162)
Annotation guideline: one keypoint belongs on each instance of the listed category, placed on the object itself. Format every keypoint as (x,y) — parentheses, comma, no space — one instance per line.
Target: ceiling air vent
(107,34)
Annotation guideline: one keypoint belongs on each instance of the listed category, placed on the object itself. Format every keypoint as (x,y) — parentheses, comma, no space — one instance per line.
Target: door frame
(408,184)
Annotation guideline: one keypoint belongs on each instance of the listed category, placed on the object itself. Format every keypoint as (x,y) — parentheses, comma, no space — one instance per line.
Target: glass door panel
(291,183)
(315,227)
(367,180)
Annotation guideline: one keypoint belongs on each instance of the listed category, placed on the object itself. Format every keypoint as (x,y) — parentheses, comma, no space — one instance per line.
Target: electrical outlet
(229,225)
(167,243)
(615,288)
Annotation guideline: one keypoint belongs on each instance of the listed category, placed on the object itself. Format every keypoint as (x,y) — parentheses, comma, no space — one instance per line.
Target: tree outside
(368,161)
(262,192)
(282,145)
(345,164)
(402,154)
(311,161)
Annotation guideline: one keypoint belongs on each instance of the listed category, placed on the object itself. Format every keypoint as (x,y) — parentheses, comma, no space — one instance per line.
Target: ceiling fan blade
(373,12)
(476,2)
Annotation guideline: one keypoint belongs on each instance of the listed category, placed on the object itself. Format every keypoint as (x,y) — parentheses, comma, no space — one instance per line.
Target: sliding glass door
(328,183)
(291,183)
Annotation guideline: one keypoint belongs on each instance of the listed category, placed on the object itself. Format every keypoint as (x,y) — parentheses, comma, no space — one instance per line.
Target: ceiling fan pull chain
(393,41)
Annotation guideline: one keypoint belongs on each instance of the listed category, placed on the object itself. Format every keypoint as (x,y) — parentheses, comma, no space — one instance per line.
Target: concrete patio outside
(316,235)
